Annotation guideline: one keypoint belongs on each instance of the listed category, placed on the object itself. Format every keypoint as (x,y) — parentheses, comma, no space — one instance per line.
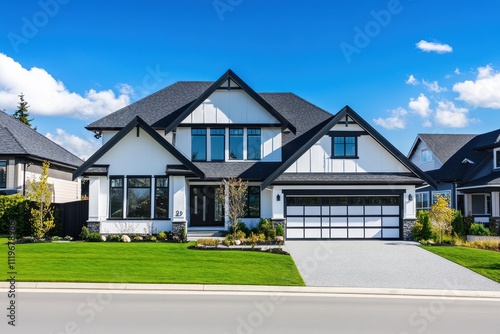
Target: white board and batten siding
(232,107)
(372,157)
(129,157)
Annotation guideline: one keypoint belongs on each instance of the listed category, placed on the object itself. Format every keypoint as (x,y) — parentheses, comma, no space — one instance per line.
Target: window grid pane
(161,198)
(253,143)
(217,144)
(3,174)
(236,144)
(198,144)
(116,198)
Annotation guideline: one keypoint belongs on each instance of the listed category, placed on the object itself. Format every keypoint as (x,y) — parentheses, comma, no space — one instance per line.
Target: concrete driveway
(381,264)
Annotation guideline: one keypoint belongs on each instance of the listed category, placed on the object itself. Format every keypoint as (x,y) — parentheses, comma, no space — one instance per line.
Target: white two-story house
(325,176)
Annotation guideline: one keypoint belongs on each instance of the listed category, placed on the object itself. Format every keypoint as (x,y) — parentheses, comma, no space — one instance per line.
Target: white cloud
(457,71)
(82,148)
(427,124)
(396,121)
(411,80)
(420,105)
(483,92)
(48,96)
(448,115)
(434,47)
(434,86)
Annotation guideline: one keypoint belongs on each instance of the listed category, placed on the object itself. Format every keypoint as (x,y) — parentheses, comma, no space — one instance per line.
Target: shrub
(55,238)
(422,230)
(84,234)
(114,238)
(26,240)
(493,245)
(162,236)
(253,239)
(457,224)
(152,238)
(13,209)
(266,227)
(68,238)
(207,242)
(183,236)
(138,238)
(468,221)
(241,226)
(478,229)
(280,232)
(495,226)
(240,235)
(94,237)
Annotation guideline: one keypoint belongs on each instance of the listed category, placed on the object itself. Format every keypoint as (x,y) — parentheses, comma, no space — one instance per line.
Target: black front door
(205,209)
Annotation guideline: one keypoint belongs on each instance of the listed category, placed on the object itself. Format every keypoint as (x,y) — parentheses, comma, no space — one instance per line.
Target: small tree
(458,223)
(441,216)
(22,113)
(234,191)
(40,193)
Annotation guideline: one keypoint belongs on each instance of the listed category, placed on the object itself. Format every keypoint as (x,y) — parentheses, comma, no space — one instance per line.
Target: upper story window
(425,155)
(253,144)
(217,144)
(496,158)
(345,147)
(198,144)
(236,144)
(139,197)
(116,197)
(3,174)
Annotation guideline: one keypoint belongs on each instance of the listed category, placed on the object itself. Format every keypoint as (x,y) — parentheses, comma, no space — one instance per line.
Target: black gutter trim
(137,121)
(230,75)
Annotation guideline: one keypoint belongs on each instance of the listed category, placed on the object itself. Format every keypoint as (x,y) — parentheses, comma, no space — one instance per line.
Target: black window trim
(254,135)
(333,156)
(206,143)
(123,178)
(168,197)
(247,202)
(223,135)
(6,162)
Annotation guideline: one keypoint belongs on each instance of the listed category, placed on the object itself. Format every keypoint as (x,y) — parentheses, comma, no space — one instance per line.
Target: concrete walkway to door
(381,264)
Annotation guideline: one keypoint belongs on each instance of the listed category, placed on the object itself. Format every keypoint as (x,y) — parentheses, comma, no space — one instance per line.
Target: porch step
(195,235)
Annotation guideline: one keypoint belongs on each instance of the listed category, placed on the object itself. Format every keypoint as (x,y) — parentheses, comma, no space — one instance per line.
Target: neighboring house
(469,172)
(22,151)
(328,176)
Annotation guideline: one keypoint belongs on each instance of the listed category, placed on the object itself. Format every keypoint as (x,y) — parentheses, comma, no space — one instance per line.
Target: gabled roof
(18,139)
(226,77)
(137,122)
(170,106)
(322,130)
(456,171)
(442,145)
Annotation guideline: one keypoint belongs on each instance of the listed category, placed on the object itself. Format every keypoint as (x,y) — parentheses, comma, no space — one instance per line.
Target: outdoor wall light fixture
(410,197)
(278,198)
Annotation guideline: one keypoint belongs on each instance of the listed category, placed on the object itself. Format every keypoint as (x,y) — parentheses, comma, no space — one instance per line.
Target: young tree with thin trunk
(233,193)
(40,193)
(441,216)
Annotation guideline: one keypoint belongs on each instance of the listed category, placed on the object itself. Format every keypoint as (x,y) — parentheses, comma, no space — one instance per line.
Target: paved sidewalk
(243,289)
(381,264)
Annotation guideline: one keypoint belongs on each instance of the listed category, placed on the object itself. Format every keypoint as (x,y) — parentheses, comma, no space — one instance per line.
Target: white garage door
(343,217)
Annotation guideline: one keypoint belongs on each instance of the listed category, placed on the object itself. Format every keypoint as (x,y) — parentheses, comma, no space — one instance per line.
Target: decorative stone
(125,238)
(237,242)
(93,226)
(103,237)
(279,238)
(407,226)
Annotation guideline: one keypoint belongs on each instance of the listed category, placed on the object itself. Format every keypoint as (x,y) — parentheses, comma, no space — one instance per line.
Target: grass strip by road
(483,262)
(148,263)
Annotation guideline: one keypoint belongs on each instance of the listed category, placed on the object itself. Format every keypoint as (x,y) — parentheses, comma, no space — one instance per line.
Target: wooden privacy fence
(72,216)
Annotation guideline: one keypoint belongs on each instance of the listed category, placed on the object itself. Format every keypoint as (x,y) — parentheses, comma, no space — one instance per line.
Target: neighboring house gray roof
(444,146)
(18,139)
(477,150)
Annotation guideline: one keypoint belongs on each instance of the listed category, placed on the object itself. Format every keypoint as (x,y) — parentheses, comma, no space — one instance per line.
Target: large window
(236,144)
(497,158)
(139,197)
(345,147)
(481,204)
(217,144)
(198,144)
(422,200)
(425,155)
(253,144)
(116,197)
(3,174)
(161,198)
(253,202)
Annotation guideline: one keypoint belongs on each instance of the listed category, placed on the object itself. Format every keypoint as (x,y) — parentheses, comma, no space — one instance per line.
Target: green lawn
(483,262)
(148,263)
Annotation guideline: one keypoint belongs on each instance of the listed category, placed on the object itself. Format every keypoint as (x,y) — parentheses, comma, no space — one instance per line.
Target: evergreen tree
(22,113)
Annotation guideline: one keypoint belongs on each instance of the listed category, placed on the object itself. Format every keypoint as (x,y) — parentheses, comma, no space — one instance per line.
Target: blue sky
(407,66)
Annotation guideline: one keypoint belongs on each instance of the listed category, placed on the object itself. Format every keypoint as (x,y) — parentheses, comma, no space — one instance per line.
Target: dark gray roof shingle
(445,145)
(19,139)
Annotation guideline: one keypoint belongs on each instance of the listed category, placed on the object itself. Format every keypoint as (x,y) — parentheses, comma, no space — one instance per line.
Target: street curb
(250,289)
